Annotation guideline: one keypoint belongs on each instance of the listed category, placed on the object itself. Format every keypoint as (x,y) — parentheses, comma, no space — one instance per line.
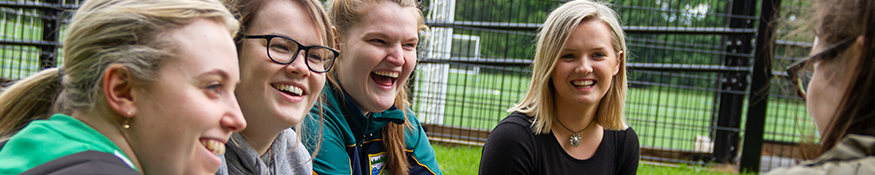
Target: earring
(128,118)
(126,125)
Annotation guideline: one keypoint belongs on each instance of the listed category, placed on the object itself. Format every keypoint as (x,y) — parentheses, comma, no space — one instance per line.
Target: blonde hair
(102,33)
(345,14)
(539,100)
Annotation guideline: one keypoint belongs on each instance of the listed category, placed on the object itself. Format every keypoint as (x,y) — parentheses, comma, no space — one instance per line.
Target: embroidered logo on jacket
(377,162)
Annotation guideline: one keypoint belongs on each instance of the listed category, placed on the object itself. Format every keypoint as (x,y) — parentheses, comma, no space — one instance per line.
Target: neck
(110,127)
(575,117)
(260,138)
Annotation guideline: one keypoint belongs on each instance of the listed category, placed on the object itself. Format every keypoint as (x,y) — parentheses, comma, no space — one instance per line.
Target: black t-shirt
(512,148)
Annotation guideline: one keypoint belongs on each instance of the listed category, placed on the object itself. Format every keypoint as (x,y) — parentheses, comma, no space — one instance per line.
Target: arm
(628,163)
(508,150)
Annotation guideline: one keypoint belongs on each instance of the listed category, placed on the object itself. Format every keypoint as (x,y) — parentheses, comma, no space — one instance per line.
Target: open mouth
(583,83)
(213,145)
(385,78)
(289,89)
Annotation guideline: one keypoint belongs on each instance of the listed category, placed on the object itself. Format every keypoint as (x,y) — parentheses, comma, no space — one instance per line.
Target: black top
(512,148)
(87,162)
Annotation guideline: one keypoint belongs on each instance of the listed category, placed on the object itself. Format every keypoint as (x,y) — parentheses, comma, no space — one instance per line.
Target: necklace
(575,138)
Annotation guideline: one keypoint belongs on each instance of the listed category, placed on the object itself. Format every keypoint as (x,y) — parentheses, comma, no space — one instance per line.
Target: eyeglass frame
(794,68)
(300,47)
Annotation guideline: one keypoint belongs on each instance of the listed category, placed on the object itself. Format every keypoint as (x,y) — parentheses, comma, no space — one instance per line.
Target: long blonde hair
(101,33)
(539,100)
(345,14)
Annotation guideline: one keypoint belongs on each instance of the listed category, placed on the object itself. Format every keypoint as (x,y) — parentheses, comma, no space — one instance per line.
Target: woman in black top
(571,119)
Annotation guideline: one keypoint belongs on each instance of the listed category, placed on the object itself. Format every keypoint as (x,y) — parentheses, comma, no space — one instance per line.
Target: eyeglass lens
(803,77)
(282,50)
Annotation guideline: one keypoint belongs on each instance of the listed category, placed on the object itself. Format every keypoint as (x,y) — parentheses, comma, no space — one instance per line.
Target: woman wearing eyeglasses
(838,83)
(284,54)
(369,128)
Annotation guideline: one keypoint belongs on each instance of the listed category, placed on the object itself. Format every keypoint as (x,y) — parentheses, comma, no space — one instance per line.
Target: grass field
(466,160)
(663,117)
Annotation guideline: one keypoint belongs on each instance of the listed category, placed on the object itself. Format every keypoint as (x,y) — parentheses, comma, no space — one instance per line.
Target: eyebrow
(596,48)
(224,75)
(384,35)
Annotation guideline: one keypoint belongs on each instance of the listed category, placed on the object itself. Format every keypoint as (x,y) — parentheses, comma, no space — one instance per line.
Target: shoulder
(855,166)
(517,118)
(88,162)
(516,127)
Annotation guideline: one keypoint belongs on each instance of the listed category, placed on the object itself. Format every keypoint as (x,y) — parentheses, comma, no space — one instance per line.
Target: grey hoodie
(241,158)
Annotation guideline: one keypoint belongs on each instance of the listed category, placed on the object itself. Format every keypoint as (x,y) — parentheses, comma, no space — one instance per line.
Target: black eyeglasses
(283,50)
(801,71)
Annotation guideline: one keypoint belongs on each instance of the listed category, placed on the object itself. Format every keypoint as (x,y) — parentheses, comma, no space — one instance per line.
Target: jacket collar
(853,146)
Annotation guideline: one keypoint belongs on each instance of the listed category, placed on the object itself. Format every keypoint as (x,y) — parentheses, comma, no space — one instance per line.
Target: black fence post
(51,27)
(726,131)
(759,89)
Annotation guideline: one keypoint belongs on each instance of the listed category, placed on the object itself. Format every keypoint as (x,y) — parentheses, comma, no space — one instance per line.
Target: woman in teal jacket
(368,126)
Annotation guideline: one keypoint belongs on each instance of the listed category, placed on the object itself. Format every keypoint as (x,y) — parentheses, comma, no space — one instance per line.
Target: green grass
(663,117)
(466,160)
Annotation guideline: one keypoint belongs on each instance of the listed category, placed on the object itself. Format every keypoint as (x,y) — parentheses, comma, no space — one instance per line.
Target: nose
(395,55)
(299,65)
(233,118)
(585,66)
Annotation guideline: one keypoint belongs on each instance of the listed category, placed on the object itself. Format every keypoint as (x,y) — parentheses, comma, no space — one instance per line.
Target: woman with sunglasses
(283,59)
(838,83)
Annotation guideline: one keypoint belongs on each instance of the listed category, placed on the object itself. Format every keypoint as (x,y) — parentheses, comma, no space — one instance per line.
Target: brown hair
(345,14)
(102,33)
(843,19)
(245,10)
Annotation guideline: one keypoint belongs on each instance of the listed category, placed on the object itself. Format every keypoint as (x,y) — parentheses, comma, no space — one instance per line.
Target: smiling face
(377,56)
(274,95)
(586,65)
(184,118)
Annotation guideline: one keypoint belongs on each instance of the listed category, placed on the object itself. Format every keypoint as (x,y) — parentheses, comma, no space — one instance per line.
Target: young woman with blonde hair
(838,83)
(369,127)
(571,119)
(284,53)
(146,87)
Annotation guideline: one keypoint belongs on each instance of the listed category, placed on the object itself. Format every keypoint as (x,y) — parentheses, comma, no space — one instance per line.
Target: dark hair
(843,19)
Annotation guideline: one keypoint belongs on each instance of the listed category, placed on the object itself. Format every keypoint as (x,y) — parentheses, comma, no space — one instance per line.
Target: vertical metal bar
(759,88)
(729,113)
(51,25)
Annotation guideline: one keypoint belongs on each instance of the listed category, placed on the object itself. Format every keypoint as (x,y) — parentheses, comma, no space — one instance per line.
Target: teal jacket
(43,141)
(352,142)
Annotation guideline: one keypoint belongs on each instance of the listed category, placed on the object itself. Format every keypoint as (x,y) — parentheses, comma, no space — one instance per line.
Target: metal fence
(699,88)
(29,36)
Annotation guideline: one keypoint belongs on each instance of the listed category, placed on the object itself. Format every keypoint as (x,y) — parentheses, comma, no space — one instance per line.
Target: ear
(336,39)
(620,57)
(118,90)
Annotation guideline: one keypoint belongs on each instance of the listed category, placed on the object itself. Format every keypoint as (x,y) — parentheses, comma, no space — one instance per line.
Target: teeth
(289,88)
(582,82)
(214,146)
(387,74)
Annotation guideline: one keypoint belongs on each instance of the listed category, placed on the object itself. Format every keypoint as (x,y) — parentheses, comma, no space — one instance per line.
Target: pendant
(575,140)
